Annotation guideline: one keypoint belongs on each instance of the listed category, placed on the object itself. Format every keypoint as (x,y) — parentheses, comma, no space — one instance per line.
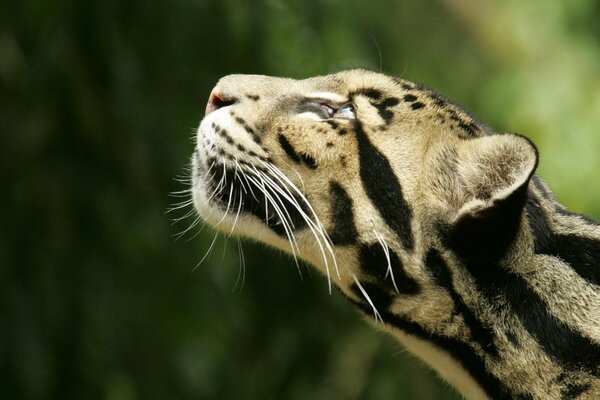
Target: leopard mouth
(245,189)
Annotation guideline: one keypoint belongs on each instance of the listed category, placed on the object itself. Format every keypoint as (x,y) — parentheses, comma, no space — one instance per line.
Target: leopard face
(330,168)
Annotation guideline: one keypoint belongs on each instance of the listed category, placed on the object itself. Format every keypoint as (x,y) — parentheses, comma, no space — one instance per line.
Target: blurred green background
(98,101)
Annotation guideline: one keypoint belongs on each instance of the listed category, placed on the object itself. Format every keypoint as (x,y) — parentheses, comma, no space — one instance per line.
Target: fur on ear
(494,172)
(491,168)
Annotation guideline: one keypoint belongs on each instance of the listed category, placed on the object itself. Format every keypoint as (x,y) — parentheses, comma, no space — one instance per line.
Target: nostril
(217,100)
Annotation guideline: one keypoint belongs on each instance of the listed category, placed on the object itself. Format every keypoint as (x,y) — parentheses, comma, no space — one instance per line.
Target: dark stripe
(469,127)
(383,189)
(373,262)
(291,152)
(442,276)
(481,240)
(458,350)
(381,296)
(556,338)
(581,253)
(343,231)
(287,147)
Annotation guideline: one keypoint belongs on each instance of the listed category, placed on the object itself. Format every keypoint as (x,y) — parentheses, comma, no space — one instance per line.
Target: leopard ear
(492,169)
(493,175)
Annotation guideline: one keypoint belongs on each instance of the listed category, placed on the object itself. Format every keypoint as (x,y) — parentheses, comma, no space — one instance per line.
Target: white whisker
(364,292)
(207,252)
(286,182)
(386,250)
(242,271)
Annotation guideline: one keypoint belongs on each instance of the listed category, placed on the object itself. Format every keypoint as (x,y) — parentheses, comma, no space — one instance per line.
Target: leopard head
(356,172)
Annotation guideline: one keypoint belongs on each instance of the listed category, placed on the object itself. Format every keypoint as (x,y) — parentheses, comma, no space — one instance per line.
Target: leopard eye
(327,110)
(346,111)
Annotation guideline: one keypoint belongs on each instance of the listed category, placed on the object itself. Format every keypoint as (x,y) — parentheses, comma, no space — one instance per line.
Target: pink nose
(217,100)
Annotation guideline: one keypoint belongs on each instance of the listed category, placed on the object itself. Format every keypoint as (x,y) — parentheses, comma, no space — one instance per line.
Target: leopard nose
(218,100)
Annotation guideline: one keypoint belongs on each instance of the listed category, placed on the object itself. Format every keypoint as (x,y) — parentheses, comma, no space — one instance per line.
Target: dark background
(98,102)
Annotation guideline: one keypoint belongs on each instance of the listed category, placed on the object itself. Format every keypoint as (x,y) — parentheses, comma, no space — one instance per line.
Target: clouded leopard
(429,222)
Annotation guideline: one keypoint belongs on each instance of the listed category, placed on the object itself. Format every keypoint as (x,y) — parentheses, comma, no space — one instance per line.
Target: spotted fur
(429,222)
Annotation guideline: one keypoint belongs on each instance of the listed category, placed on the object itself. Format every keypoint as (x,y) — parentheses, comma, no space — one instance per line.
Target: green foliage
(98,101)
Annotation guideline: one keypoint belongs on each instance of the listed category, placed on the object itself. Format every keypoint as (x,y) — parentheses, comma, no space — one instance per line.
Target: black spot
(580,252)
(343,231)
(383,189)
(390,102)
(253,97)
(332,123)
(383,108)
(329,144)
(370,93)
(374,263)
(484,335)
(471,128)
(409,98)
(343,161)
(342,132)
(416,105)
(309,161)
(288,148)
(438,101)
(247,128)
(407,87)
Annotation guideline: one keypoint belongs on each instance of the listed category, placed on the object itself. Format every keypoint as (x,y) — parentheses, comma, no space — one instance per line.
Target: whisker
(207,252)
(242,271)
(364,293)
(386,250)
(288,231)
(321,230)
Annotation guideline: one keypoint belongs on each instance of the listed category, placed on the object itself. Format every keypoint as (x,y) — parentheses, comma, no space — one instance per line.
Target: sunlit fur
(425,219)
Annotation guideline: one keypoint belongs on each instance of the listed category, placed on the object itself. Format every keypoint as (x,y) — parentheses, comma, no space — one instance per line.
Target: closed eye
(327,110)
(346,111)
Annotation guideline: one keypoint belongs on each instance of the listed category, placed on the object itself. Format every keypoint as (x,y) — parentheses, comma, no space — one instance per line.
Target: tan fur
(446,172)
